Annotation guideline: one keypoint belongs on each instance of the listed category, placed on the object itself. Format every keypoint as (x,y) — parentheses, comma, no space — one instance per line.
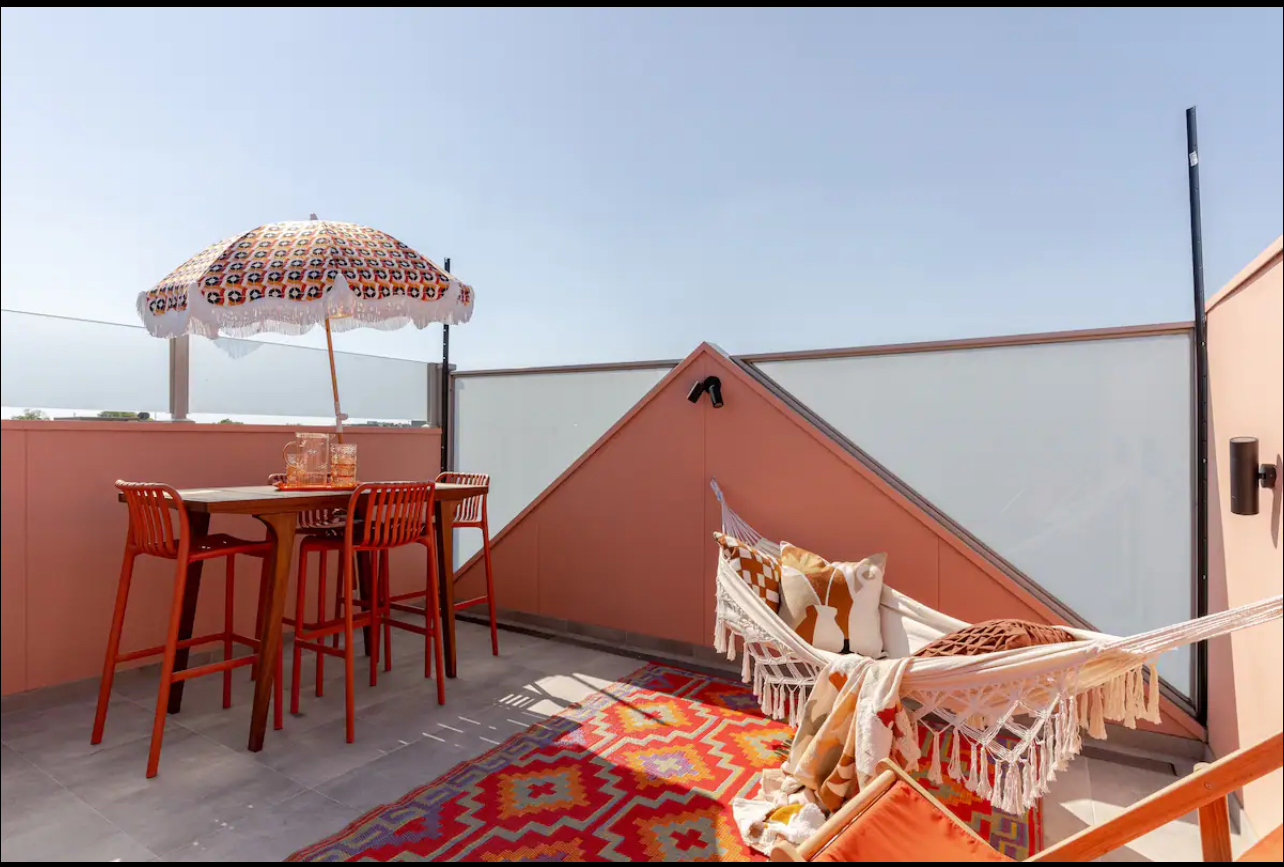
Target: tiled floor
(213,801)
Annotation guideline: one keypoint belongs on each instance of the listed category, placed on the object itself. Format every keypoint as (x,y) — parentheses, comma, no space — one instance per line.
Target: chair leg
(296,657)
(113,646)
(349,575)
(376,634)
(490,589)
(321,588)
(432,609)
(167,664)
(385,584)
(229,615)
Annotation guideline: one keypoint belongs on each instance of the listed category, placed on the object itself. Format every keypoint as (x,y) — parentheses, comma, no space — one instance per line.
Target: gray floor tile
(50,697)
(58,737)
(42,821)
(202,787)
(28,794)
(70,831)
(273,833)
(321,753)
(388,778)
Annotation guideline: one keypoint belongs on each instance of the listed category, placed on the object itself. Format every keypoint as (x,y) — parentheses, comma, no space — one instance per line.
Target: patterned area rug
(646,770)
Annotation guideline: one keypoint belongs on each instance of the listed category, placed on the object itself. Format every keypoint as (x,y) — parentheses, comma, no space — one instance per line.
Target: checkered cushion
(758,569)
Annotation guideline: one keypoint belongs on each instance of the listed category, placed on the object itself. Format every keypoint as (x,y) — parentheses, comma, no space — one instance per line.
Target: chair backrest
(474,507)
(152,509)
(392,513)
(892,819)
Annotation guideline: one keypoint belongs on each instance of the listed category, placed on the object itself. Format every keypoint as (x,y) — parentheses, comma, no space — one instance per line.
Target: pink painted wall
(1246,360)
(64,531)
(623,538)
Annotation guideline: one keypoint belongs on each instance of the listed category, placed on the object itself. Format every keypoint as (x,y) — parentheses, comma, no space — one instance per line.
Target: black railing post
(1201,411)
(445,390)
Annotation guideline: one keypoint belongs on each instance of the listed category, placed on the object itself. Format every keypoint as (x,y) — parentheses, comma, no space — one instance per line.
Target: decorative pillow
(833,606)
(991,636)
(758,569)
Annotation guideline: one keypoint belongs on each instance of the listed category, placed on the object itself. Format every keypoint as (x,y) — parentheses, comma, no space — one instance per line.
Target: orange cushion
(1267,848)
(991,636)
(903,826)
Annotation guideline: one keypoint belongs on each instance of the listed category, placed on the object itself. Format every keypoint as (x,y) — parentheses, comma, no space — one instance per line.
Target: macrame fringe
(934,769)
(287,316)
(1014,778)
(1152,701)
(956,766)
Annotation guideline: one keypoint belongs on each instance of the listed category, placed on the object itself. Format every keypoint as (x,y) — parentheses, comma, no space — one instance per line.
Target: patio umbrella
(288,277)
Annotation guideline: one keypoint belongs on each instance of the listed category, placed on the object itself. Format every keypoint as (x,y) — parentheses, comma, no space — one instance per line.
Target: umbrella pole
(334,382)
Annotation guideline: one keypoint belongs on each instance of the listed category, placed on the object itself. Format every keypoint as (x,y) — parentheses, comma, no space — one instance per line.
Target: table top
(266,499)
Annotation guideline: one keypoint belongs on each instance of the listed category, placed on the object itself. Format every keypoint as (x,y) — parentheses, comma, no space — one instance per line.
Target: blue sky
(624,184)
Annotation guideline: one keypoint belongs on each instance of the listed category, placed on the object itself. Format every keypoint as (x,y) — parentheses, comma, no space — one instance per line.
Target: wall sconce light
(1247,475)
(712,385)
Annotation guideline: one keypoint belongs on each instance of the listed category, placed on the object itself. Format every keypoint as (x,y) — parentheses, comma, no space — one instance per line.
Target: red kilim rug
(646,770)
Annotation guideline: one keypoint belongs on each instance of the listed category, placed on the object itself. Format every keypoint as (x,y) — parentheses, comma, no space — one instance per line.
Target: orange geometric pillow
(760,571)
(991,636)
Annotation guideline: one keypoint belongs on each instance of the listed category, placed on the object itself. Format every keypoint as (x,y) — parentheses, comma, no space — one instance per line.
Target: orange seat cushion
(903,826)
(1267,848)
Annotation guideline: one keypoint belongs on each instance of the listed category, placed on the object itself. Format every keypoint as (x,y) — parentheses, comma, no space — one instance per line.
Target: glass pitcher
(307,459)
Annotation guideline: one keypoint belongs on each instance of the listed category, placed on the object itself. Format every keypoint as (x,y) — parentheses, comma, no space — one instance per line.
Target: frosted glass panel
(1071,460)
(52,363)
(525,429)
(245,377)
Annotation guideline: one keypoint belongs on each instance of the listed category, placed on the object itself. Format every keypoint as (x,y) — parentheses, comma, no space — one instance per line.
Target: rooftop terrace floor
(214,801)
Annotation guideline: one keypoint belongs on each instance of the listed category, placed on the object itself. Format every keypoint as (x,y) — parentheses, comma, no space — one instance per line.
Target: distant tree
(31,415)
(229,421)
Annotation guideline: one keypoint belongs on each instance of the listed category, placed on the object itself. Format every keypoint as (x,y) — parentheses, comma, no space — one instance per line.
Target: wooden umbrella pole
(334,382)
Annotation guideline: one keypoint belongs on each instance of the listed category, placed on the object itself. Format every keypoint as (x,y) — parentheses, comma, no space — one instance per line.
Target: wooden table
(279,511)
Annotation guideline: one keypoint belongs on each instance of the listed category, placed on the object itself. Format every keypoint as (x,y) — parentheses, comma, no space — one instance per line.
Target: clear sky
(624,184)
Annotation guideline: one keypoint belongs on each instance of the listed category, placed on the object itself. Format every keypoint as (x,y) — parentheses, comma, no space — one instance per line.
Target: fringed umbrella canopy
(287,277)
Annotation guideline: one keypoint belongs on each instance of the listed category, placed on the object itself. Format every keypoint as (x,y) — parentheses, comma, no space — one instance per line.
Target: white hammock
(1039,696)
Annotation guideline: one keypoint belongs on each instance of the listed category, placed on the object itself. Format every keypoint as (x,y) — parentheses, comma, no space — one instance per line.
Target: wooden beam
(1214,831)
(1205,786)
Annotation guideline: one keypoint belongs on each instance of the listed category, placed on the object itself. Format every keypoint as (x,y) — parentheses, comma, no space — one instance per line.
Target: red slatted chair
(153,509)
(327,523)
(472,513)
(385,515)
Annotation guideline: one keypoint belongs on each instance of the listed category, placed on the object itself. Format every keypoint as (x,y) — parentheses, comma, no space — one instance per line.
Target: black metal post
(1201,412)
(445,390)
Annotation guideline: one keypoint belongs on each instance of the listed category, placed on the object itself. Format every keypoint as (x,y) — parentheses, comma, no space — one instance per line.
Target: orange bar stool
(472,513)
(152,512)
(382,516)
(431,610)
(324,523)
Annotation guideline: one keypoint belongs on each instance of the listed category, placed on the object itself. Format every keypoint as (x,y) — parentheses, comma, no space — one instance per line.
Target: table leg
(199,522)
(281,531)
(365,573)
(446,581)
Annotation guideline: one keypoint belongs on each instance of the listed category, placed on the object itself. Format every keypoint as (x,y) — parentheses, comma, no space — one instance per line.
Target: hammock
(1037,698)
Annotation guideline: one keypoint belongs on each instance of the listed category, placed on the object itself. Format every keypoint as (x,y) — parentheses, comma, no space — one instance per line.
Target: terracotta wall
(623,539)
(63,530)
(1246,361)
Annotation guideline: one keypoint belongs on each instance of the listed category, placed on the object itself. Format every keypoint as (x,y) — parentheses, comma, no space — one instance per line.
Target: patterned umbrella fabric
(287,277)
